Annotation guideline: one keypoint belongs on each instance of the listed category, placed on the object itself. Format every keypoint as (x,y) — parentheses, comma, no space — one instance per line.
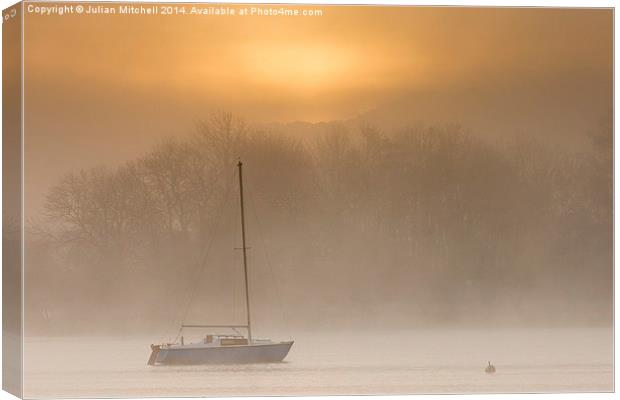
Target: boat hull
(246,354)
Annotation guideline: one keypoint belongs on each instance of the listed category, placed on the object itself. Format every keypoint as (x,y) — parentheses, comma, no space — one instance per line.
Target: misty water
(405,362)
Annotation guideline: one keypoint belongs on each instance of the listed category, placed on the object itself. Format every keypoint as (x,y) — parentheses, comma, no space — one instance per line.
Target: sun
(310,68)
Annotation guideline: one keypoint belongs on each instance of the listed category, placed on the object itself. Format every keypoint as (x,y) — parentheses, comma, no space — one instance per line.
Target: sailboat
(223,349)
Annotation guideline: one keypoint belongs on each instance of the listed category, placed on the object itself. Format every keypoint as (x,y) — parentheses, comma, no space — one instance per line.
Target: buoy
(490,369)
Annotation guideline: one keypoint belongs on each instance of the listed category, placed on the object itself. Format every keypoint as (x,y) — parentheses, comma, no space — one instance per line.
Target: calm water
(554,360)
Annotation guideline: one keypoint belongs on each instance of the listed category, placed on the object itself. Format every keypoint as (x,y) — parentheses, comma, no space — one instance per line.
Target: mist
(405,167)
(427,191)
(365,227)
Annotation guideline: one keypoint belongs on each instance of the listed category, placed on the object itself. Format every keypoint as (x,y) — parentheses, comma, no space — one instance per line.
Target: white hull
(198,355)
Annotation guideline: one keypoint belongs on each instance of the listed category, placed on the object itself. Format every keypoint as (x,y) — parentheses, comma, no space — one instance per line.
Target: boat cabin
(211,340)
(228,340)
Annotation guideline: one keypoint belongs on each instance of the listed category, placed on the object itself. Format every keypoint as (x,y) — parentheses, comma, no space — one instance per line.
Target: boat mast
(244,248)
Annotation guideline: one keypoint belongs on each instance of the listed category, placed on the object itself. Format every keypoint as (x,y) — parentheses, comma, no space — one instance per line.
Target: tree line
(426,224)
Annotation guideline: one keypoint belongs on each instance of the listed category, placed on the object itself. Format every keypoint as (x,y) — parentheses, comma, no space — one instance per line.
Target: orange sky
(103,89)
(313,68)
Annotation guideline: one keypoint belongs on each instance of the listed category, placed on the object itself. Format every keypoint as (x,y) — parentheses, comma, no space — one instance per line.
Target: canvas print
(206,199)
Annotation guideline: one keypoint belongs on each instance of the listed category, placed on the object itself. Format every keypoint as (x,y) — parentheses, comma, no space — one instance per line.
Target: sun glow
(301,68)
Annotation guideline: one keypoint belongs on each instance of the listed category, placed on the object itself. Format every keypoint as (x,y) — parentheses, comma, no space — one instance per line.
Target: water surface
(411,362)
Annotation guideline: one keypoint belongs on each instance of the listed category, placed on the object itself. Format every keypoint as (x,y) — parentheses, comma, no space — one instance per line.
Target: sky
(102,89)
